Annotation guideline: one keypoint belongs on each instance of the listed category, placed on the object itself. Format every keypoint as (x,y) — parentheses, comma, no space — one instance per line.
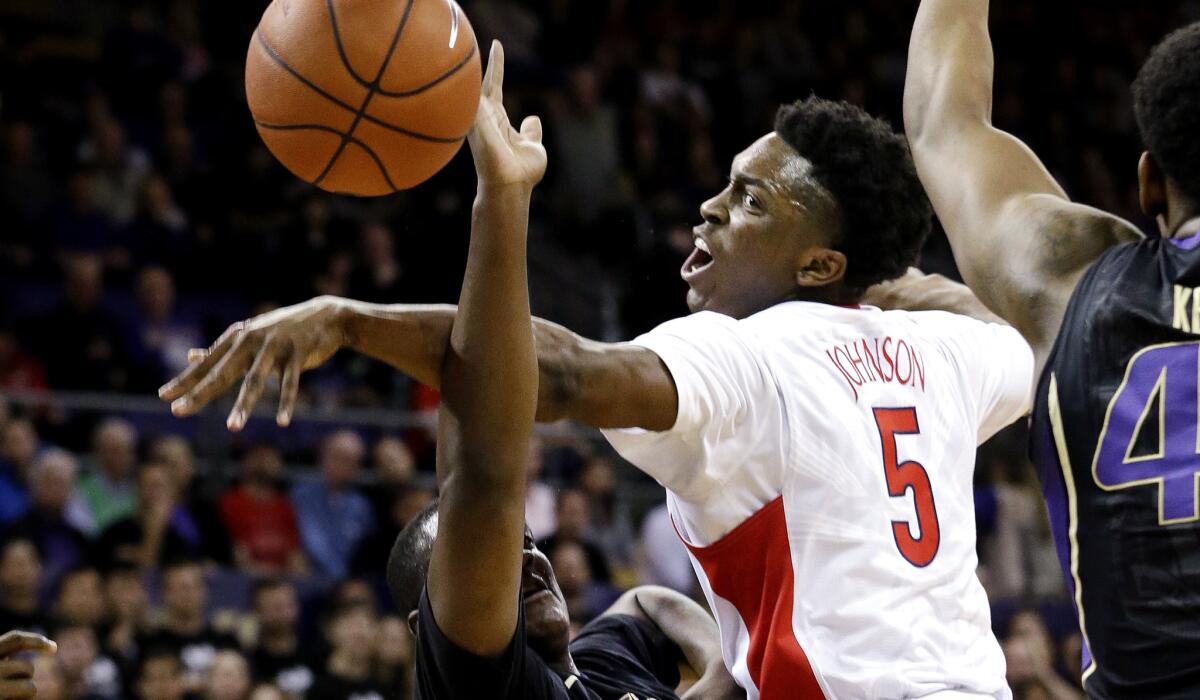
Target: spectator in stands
(266,691)
(260,520)
(80,599)
(665,560)
(573,516)
(160,676)
(380,277)
(194,516)
(162,336)
(185,627)
(394,657)
(20,570)
(1029,654)
(87,673)
(280,656)
(228,677)
(120,169)
(128,608)
(586,598)
(351,631)
(160,234)
(152,532)
(609,526)
(17,452)
(81,343)
(333,516)
(539,498)
(19,371)
(106,491)
(48,522)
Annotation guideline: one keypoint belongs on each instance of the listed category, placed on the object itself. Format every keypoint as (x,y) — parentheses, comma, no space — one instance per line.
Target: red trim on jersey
(751,567)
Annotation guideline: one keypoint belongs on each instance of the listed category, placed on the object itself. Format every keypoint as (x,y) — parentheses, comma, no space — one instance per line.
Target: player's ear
(412,622)
(819,267)
(1152,187)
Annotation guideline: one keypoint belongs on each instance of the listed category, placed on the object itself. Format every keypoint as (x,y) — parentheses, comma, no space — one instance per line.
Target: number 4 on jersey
(1162,376)
(919,551)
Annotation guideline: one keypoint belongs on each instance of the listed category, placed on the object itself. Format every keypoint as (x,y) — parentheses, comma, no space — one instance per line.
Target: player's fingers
(289,389)
(495,81)
(231,366)
(17,689)
(187,379)
(16,641)
(254,383)
(11,669)
(196,355)
(531,129)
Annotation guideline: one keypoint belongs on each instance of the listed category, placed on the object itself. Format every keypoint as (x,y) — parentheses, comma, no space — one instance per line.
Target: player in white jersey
(818,457)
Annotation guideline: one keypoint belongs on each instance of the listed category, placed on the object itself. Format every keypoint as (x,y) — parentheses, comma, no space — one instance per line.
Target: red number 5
(919,551)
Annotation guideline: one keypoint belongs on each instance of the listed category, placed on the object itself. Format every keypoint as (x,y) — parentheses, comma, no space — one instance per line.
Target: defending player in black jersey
(1113,320)
(489,617)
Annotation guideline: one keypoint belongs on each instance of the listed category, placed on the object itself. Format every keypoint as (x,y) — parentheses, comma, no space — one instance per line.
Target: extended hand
(503,155)
(16,675)
(286,341)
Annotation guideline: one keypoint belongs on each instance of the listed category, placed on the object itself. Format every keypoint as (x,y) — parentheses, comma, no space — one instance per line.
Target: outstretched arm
(605,385)
(917,291)
(489,389)
(1020,243)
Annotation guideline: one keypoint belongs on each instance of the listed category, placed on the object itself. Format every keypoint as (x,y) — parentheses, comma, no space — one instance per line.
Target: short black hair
(1166,102)
(408,563)
(868,169)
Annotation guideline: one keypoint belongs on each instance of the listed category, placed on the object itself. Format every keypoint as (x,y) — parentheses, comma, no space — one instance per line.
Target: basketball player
(1113,321)
(818,456)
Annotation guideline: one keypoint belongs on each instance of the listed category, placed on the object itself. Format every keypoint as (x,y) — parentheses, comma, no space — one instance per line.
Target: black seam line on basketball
(337,40)
(374,120)
(371,90)
(436,81)
(322,127)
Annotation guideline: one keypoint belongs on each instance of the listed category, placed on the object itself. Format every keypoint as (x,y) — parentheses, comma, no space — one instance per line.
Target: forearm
(591,382)
(685,623)
(950,69)
(489,374)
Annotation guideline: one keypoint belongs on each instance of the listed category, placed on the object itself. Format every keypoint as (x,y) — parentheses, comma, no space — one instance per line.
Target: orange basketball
(363,97)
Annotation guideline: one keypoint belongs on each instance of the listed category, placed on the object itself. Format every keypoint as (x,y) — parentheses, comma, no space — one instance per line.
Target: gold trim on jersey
(1064,463)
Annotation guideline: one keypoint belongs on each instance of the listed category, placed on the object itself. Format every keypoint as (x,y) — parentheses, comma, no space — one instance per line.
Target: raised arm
(605,385)
(1020,243)
(489,389)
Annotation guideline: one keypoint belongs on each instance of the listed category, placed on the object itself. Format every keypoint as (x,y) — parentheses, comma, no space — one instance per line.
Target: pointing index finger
(16,641)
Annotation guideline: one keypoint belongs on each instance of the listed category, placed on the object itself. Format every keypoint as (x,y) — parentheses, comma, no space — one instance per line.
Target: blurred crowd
(140,214)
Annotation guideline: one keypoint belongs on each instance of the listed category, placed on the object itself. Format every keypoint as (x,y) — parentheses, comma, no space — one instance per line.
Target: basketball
(363,97)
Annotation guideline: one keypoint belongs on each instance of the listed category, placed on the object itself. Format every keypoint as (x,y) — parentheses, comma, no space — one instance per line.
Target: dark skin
(767,237)
(16,674)
(1019,241)
(483,556)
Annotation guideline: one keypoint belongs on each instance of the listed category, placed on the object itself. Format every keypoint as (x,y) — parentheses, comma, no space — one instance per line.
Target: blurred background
(140,215)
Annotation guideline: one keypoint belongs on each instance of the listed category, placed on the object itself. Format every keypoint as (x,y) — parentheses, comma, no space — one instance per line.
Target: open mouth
(699,261)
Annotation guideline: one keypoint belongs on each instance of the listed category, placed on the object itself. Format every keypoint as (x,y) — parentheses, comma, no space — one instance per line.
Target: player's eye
(750,201)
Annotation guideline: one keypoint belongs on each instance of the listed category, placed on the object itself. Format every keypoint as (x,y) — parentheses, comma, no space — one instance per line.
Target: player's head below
(1166,100)
(820,209)
(547,621)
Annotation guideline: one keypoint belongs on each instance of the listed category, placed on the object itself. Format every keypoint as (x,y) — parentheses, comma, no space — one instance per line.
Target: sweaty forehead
(772,160)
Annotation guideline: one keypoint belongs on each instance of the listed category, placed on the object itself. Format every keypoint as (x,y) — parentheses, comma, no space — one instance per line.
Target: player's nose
(714,211)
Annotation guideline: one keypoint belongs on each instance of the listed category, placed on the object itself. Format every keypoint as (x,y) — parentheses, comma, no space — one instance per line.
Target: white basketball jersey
(820,472)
